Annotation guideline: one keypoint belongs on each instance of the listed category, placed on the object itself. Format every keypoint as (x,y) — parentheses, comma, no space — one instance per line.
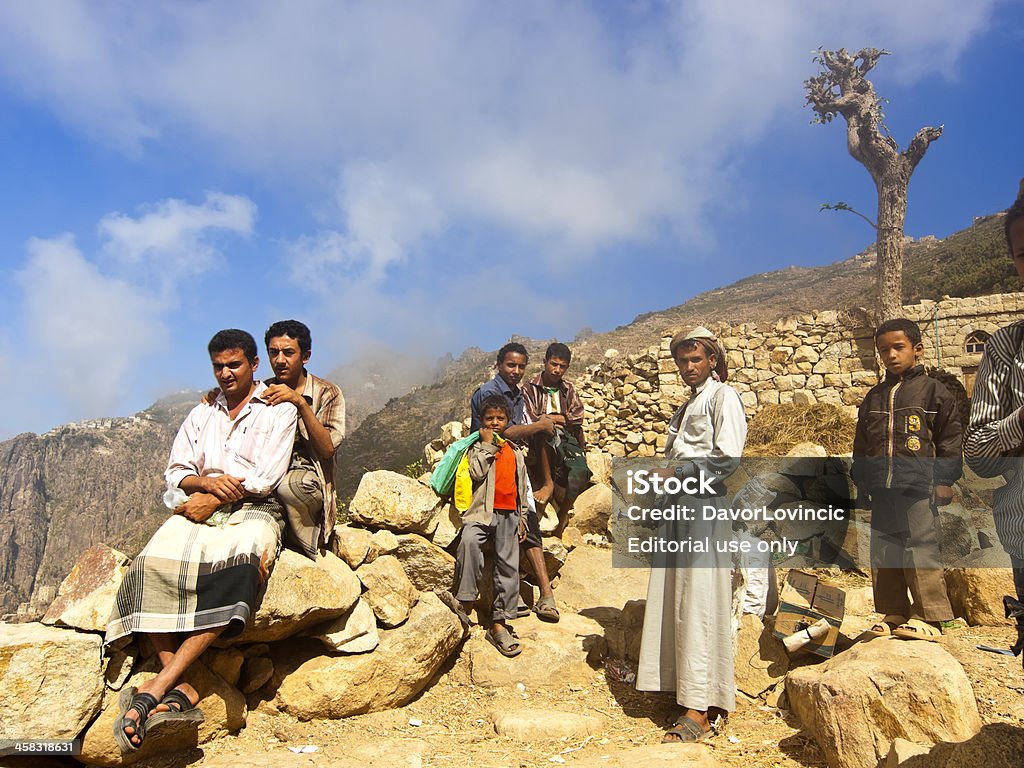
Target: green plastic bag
(442,479)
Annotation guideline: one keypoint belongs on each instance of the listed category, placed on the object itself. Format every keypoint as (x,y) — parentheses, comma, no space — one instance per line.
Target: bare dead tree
(842,88)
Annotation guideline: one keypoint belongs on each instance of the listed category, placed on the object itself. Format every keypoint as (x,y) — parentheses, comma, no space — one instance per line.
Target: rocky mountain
(78,485)
(100,481)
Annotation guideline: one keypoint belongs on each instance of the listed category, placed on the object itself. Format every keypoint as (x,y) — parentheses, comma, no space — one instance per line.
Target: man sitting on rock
(548,393)
(512,359)
(200,575)
(307,491)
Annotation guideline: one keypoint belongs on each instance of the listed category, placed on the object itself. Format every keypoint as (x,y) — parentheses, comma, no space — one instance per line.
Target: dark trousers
(905,557)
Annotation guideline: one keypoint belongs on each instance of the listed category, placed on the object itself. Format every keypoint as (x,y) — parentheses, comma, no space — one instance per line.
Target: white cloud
(574,122)
(91,333)
(172,237)
(96,325)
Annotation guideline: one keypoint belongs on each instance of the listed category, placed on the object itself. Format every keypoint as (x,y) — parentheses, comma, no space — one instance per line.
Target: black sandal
(143,703)
(180,709)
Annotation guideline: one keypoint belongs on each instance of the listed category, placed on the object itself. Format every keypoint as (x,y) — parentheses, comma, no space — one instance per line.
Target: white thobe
(687,641)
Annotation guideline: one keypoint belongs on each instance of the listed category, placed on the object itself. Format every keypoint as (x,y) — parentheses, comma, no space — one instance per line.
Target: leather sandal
(547,610)
(686,731)
(180,709)
(505,642)
(915,629)
(143,703)
(887,626)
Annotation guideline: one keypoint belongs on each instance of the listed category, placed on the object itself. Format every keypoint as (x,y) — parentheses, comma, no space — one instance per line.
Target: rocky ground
(579,716)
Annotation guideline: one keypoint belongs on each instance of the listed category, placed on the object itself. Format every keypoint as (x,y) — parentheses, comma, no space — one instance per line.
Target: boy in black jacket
(907,455)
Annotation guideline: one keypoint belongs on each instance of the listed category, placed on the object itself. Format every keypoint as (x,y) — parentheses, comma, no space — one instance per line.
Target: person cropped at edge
(994,444)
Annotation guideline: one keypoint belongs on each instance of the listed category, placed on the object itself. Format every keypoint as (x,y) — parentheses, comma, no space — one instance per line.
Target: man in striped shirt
(994,443)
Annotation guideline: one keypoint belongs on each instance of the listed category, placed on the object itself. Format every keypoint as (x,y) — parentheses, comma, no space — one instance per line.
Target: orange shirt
(505,478)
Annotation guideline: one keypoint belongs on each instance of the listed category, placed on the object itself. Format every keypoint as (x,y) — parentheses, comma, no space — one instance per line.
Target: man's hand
(558,418)
(546,424)
(943,496)
(225,488)
(198,507)
(522,529)
(211,397)
(486,435)
(276,394)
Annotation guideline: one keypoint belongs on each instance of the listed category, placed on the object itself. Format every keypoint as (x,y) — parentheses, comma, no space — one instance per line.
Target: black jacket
(908,435)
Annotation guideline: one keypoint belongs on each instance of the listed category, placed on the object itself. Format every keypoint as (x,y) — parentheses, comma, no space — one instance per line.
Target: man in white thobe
(687,642)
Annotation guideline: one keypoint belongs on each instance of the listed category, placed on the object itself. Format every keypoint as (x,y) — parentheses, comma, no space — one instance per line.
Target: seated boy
(548,393)
(497,513)
(906,459)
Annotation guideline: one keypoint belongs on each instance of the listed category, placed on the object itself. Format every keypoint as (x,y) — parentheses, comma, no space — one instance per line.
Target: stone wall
(825,357)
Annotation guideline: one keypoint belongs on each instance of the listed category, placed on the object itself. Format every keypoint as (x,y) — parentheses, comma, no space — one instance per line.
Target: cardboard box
(805,600)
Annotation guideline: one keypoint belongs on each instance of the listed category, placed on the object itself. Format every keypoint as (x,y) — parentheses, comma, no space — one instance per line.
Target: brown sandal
(887,626)
(915,629)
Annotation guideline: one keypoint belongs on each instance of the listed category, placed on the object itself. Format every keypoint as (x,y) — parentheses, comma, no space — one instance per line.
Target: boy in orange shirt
(497,512)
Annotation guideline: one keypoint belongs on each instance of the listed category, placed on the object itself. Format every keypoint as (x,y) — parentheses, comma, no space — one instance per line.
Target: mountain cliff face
(78,485)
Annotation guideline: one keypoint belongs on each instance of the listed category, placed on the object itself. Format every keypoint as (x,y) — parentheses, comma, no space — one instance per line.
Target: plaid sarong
(197,576)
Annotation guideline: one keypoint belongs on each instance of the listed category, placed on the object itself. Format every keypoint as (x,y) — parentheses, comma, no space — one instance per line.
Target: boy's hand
(943,495)
(522,529)
(211,397)
(486,435)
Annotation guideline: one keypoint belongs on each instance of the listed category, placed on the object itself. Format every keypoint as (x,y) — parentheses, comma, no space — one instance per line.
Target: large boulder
(588,580)
(223,706)
(86,597)
(389,500)
(858,702)
(301,593)
(355,632)
(976,585)
(51,681)
(592,508)
(553,655)
(389,592)
(429,568)
(315,686)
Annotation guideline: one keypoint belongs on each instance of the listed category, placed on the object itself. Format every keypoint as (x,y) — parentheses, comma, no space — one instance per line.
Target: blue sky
(422,177)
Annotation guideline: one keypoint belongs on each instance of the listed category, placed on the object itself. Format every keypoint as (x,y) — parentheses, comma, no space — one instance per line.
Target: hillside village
(354,660)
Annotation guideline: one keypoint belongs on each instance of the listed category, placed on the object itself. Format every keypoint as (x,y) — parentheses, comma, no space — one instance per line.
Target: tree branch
(841,206)
(919,144)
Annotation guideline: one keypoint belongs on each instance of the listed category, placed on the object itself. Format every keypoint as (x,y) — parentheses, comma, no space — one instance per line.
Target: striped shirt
(994,441)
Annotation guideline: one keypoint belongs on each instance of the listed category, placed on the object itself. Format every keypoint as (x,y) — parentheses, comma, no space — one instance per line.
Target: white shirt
(711,427)
(256,445)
